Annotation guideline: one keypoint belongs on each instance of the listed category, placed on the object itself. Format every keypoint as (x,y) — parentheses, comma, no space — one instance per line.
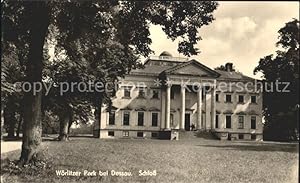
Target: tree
(12,71)
(281,108)
(123,22)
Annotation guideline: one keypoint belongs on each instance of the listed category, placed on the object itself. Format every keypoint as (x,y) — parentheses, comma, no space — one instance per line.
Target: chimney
(228,67)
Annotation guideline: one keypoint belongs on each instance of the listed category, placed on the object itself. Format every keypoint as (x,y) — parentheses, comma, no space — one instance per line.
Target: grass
(188,160)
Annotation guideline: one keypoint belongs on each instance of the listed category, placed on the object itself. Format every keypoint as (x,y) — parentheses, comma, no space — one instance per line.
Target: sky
(242,33)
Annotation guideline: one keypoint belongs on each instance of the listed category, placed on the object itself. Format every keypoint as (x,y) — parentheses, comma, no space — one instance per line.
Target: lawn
(188,160)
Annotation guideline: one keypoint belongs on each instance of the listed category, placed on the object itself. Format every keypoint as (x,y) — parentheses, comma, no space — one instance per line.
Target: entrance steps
(196,134)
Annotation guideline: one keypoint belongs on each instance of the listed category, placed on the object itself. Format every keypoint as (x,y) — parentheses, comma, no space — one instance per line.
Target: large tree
(281,107)
(123,22)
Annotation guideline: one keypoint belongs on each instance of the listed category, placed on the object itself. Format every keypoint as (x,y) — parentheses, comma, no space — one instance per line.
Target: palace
(171,95)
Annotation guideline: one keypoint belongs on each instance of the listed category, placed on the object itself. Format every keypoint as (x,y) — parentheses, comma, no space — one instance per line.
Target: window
(154,134)
(125,133)
(126,117)
(217,121)
(111,133)
(241,99)
(127,92)
(140,134)
(155,94)
(217,97)
(140,118)
(253,99)
(111,118)
(228,121)
(228,98)
(154,118)
(241,136)
(253,137)
(241,122)
(253,122)
(141,93)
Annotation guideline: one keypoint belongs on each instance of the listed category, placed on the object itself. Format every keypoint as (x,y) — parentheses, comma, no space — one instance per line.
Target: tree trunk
(97,123)
(64,120)
(32,127)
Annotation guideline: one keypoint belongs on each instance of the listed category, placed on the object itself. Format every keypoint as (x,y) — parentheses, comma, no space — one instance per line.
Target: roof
(233,75)
(156,70)
(170,70)
(151,70)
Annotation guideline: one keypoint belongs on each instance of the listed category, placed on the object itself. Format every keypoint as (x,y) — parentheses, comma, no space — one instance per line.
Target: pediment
(192,67)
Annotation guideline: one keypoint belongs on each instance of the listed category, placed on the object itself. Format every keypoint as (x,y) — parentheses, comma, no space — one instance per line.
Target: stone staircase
(196,134)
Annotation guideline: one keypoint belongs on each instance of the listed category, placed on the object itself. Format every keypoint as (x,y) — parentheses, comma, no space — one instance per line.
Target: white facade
(173,94)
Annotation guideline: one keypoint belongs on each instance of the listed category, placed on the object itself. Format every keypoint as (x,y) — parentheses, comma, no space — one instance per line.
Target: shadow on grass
(293,148)
(12,139)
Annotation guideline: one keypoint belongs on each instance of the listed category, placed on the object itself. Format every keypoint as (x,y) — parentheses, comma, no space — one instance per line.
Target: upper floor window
(241,122)
(253,99)
(217,97)
(154,118)
(253,122)
(127,92)
(141,93)
(140,118)
(228,98)
(126,117)
(228,121)
(241,99)
(111,118)
(155,94)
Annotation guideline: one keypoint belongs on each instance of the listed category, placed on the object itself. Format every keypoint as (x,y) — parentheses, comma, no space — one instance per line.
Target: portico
(204,91)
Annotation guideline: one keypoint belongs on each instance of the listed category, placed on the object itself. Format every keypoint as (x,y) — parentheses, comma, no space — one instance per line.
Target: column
(163,109)
(213,106)
(168,107)
(182,115)
(199,108)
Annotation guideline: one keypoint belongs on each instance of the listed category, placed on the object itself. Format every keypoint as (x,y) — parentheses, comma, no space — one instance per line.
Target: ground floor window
(154,118)
(228,121)
(253,137)
(140,134)
(111,133)
(217,121)
(253,122)
(126,117)
(111,118)
(241,122)
(125,133)
(154,134)
(241,136)
(140,118)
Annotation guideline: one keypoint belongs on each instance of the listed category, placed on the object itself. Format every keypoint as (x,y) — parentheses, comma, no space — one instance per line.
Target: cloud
(235,28)
(242,33)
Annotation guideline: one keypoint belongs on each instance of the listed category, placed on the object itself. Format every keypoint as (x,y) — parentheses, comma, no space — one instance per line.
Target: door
(187,122)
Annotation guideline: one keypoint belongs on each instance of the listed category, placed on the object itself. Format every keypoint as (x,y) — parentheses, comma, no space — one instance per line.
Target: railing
(168,58)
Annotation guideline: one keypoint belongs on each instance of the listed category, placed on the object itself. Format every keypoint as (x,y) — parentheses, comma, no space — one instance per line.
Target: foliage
(101,41)
(281,108)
